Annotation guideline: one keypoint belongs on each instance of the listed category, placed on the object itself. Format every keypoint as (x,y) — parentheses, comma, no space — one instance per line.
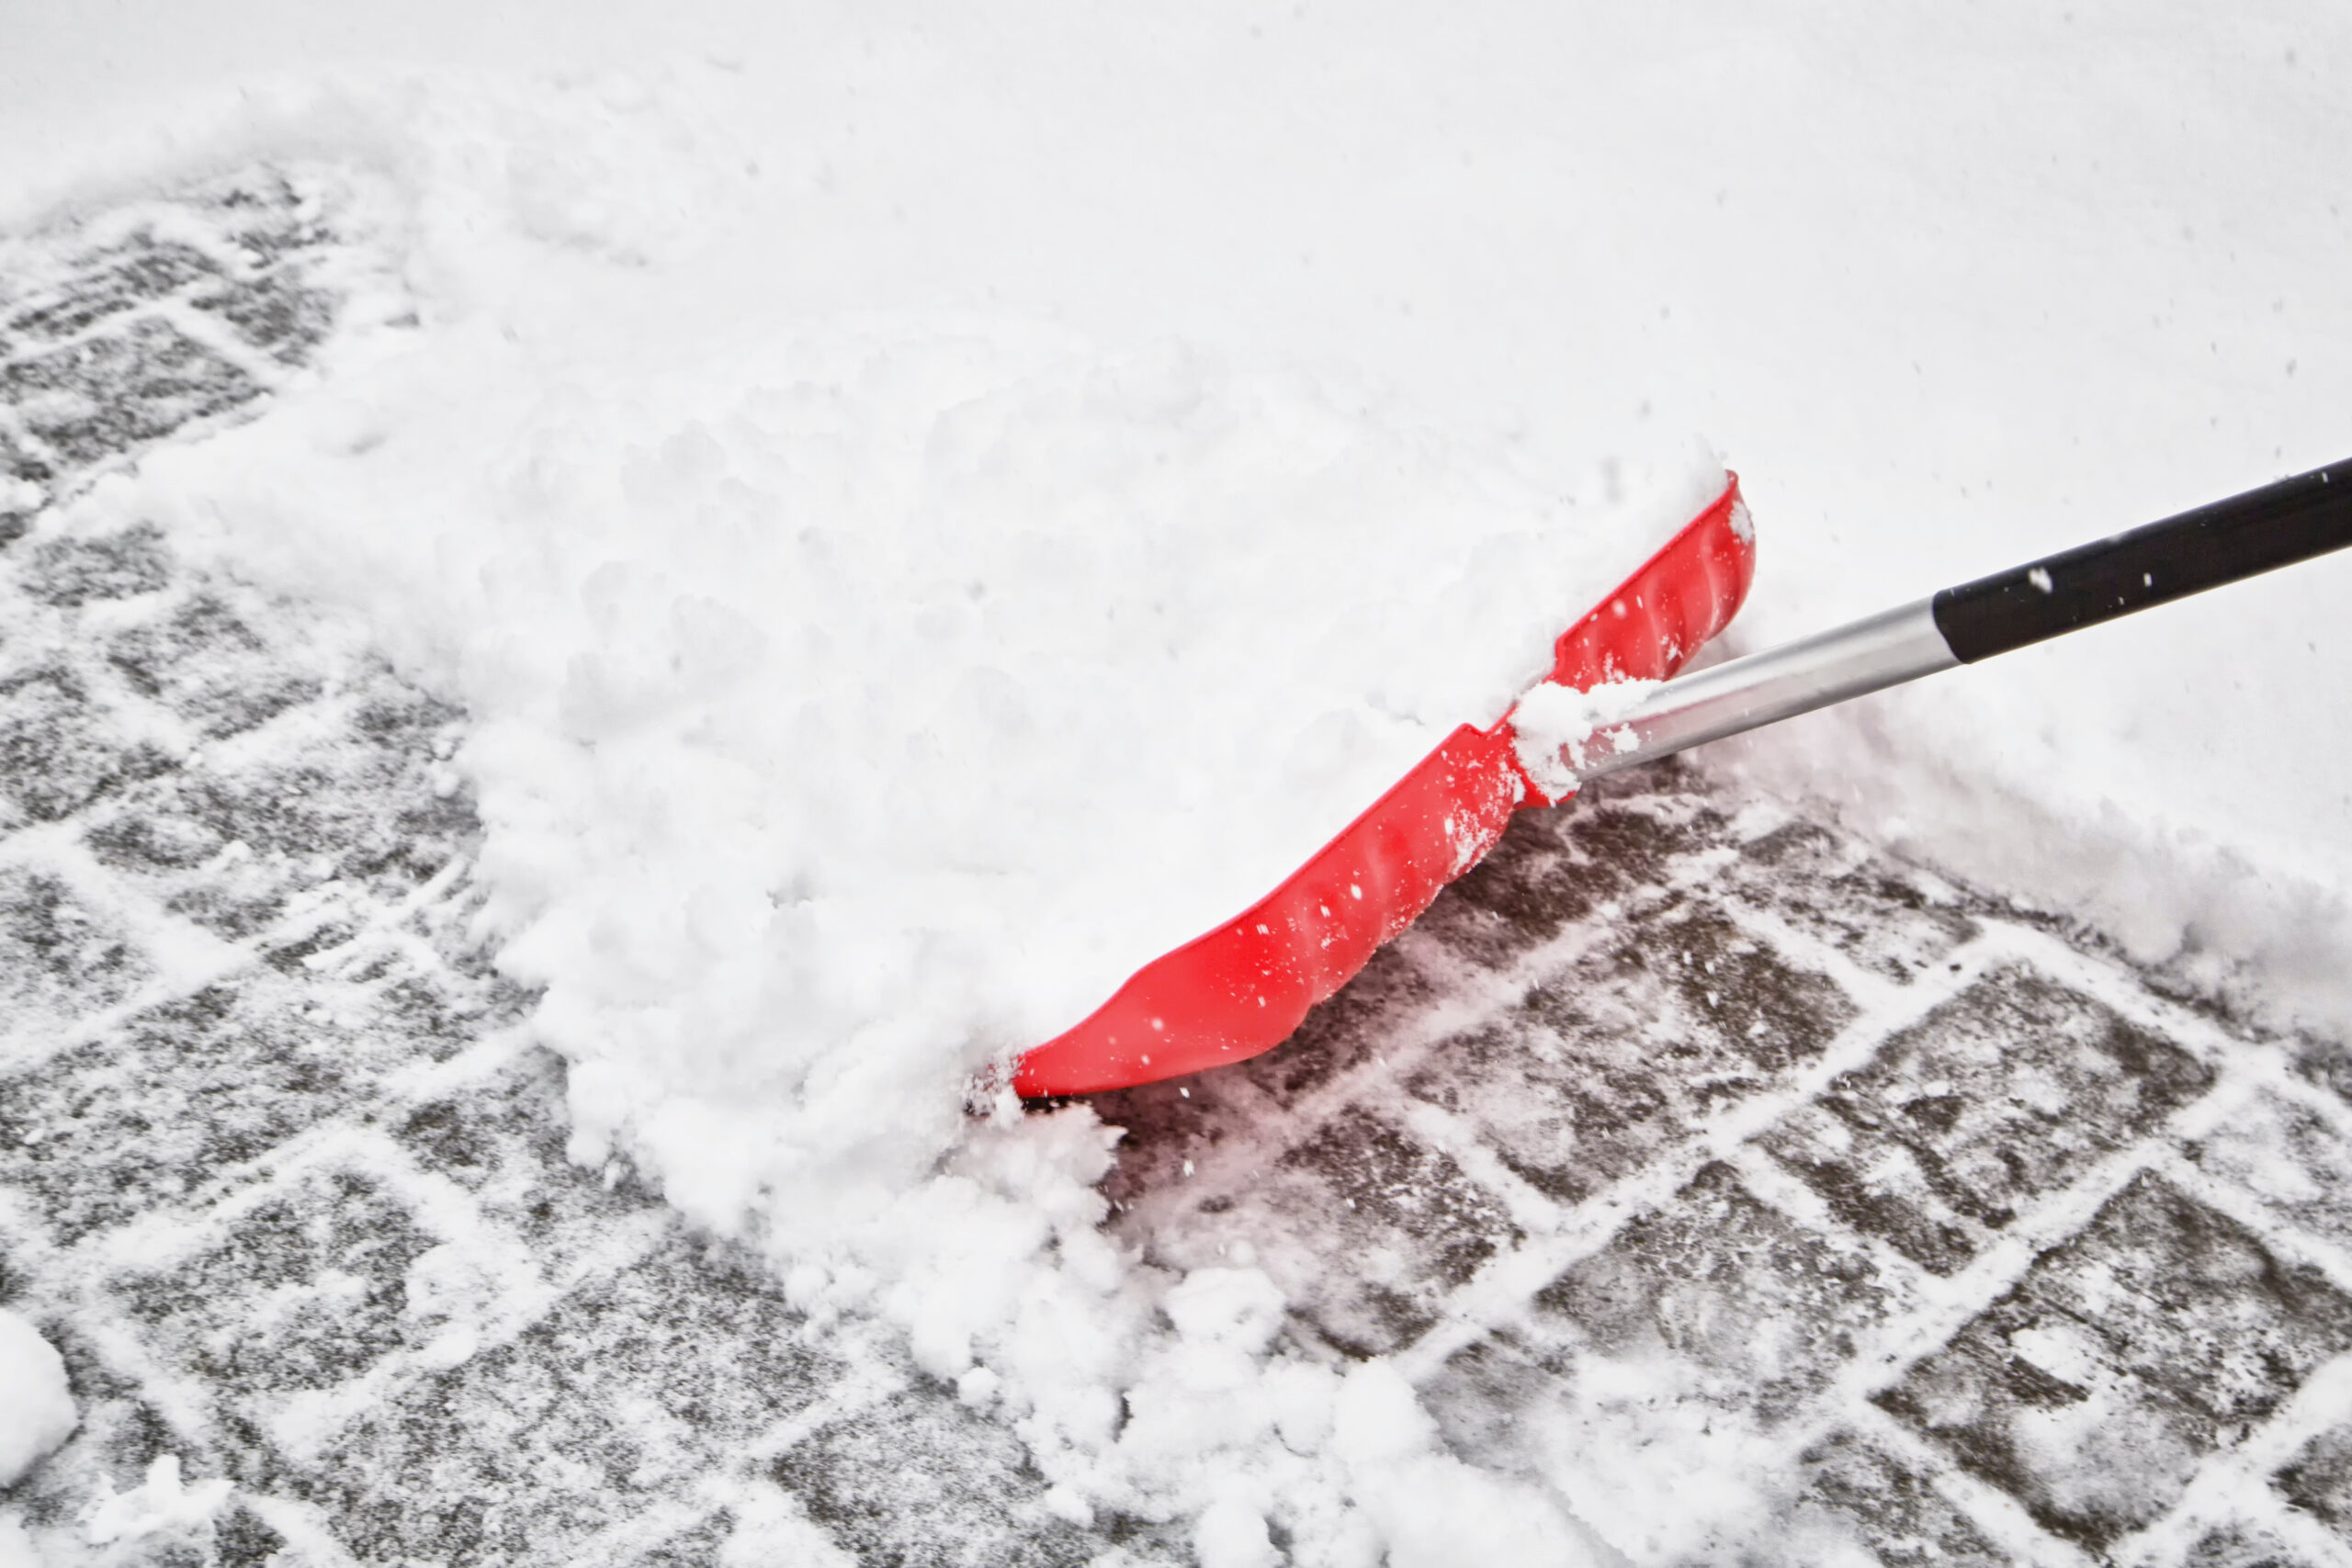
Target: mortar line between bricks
(184,1402)
(70,482)
(2002,1518)
(181,949)
(2316,1546)
(2213,1493)
(218,338)
(1866,989)
(2269,1065)
(1458,1007)
(1470,994)
(2330,1260)
(1502,1287)
(55,287)
(869,1382)
(2120,988)
(1528,1209)
(664,1522)
(110,892)
(1945,1306)
(446,1216)
(175,308)
(444,1209)
(1948,1304)
(1774,1185)
(300,1526)
(110,692)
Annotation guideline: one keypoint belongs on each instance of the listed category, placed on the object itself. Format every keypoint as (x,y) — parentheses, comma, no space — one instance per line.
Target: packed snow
(160,1504)
(1557,729)
(752,413)
(36,1410)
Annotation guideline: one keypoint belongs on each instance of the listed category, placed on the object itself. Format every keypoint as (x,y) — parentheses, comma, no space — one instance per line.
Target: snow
(1554,728)
(37,1409)
(1950,291)
(159,1504)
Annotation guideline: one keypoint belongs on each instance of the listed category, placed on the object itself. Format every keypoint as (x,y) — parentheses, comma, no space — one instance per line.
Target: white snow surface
(1951,290)
(37,1410)
(1556,728)
(161,1503)
(858,701)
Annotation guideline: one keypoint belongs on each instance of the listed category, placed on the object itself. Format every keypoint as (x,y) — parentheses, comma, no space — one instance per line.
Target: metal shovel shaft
(2292,520)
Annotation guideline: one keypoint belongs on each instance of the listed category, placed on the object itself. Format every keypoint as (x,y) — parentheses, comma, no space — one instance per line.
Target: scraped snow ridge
(857,702)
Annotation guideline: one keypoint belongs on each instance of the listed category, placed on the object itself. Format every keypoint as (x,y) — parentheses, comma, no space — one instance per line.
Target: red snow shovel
(1240,990)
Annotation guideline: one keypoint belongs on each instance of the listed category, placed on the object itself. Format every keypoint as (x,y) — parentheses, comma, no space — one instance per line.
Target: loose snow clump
(37,1409)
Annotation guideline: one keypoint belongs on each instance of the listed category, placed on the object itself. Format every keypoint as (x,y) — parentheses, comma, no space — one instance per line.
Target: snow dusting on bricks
(1697,1183)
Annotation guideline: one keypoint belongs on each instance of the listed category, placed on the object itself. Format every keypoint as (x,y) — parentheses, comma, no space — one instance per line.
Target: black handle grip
(2277,525)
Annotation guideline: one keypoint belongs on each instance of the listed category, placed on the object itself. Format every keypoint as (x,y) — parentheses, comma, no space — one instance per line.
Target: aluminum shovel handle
(2280,523)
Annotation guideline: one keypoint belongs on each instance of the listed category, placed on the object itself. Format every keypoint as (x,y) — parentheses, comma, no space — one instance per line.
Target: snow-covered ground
(616,302)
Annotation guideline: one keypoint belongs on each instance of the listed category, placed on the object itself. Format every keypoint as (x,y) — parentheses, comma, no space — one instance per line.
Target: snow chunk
(1557,726)
(158,1504)
(1238,1307)
(37,1409)
(1232,1534)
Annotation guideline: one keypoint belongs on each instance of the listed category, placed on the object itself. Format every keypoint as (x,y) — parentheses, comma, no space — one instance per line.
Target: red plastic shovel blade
(1243,988)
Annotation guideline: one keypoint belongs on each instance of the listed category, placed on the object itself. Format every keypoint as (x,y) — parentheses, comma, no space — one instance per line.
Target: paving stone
(1558,867)
(58,958)
(2092,1388)
(267,215)
(1907,1523)
(698,1544)
(2326,1061)
(902,1487)
(108,282)
(2007,1093)
(1202,1121)
(210,667)
(147,1113)
(1881,917)
(124,1428)
(1343,1032)
(1390,1224)
(276,312)
(2241,1546)
(2293,1160)
(306,1290)
(2319,1479)
(60,747)
(92,398)
(72,572)
(243,1538)
(504,1141)
(1630,1048)
(1651,1381)
(1716,1280)
(231,839)
(618,1398)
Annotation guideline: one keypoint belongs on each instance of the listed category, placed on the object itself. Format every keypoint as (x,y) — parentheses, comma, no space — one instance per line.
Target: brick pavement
(1774,1201)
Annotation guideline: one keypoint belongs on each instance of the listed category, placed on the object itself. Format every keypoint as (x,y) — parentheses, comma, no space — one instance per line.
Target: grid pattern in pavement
(1774,1201)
